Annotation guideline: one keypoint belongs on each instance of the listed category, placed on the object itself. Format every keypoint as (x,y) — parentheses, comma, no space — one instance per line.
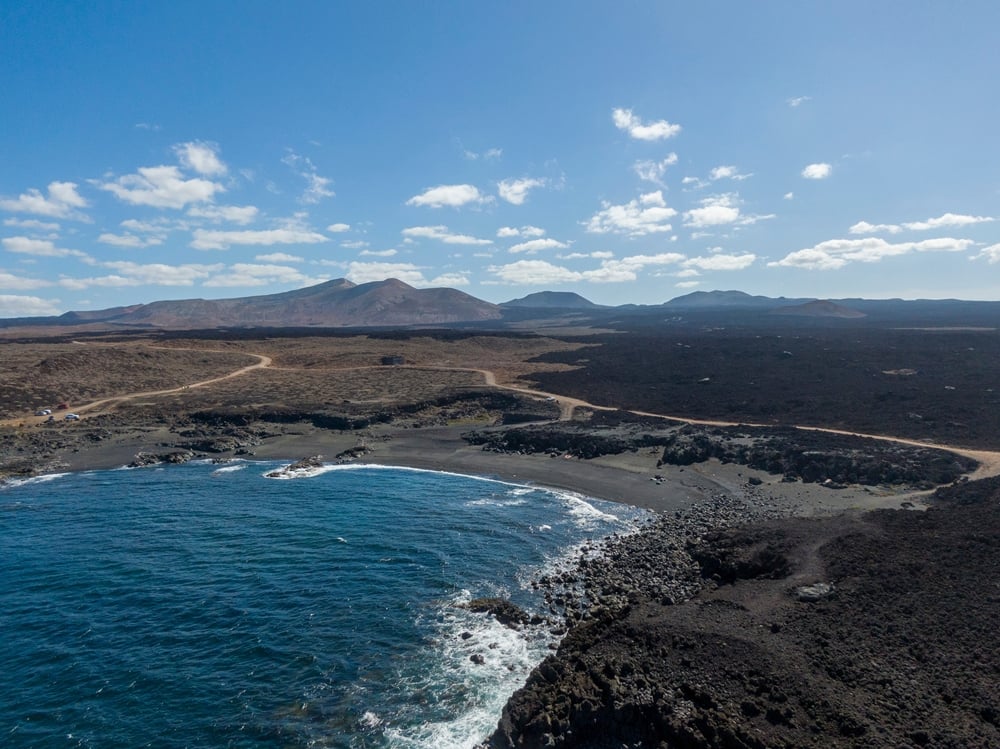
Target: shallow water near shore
(207,606)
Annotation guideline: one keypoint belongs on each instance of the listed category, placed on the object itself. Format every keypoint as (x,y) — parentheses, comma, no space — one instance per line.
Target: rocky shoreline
(728,626)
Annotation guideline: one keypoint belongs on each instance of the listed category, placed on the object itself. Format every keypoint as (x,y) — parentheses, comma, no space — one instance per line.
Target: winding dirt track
(989,460)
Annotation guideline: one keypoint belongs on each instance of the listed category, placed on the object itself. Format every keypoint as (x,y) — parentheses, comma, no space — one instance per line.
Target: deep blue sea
(208,606)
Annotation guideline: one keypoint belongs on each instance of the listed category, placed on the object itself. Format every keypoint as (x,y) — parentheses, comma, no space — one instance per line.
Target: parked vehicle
(43,412)
(71,417)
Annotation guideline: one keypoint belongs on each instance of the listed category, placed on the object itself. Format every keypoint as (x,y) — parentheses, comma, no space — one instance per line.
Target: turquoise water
(208,606)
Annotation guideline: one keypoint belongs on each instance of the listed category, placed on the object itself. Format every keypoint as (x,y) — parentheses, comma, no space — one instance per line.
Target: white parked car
(43,412)
(72,417)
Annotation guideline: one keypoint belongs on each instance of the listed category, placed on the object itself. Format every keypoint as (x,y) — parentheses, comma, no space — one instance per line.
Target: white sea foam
(284,474)
(44,479)
(475,693)
(227,469)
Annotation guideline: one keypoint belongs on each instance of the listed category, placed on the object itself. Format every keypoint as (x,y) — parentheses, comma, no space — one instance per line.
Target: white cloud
(453,196)
(12,305)
(38,248)
(10,281)
(863,227)
(817,171)
(158,226)
(541,272)
(947,219)
(251,274)
(600,255)
(653,171)
(836,253)
(279,257)
(727,172)
(534,273)
(789,196)
(648,214)
(796,101)
(687,284)
(714,211)
(378,253)
(942,221)
(524,231)
(162,187)
(688,273)
(60,203)
(721,261)
(450,279)
(150,274)
(490,154)
(30,223)
(201,157)
(516,190)
(442,234)
(658,130)
(237,214)
(355,244)
(338,228)
(205,239)
(693,183)
(537,245)
(990,254)
(317,187)
(129,240)
(359,272)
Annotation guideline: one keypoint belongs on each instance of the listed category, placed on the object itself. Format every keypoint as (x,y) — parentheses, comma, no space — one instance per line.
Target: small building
(388,361)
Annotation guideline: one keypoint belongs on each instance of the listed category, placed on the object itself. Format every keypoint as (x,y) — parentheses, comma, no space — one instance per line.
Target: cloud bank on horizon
(786,157)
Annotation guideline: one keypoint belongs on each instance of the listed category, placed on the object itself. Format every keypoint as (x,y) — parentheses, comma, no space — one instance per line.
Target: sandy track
(989,460)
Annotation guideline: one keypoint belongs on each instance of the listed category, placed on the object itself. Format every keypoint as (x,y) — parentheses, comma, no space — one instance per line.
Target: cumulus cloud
(687,284)
(490,154)
(378,253)
(359,272)
(817,171)
(252,274)
(38,248)
(129,240)
(338,228)
(653,171)
(317,187)
(947,220)
(625,120)
(541,272)
(990,254)
(797,101)
(600,255)
(714,211)
(13,305)
(450,279)
(693,183)
(516,190)
(537,245)
(648,214)
(452,196)
(943,221)
(721,261)
(789,196)
(836,253)
(148,274)
(61,202)
(442,234)
(279,257)
(20,283)
(727,172)
(236,214)
(205,239)
(201,157)
(31,223)
(162,187)
(524,231)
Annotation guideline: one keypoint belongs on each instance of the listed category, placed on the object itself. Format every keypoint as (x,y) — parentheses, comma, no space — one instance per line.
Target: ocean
(206,605)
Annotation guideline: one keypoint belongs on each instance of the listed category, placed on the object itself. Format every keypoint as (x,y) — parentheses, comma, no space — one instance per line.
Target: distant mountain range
(392,303)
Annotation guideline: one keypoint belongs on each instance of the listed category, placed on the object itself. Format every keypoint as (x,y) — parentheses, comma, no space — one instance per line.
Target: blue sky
(630,152)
